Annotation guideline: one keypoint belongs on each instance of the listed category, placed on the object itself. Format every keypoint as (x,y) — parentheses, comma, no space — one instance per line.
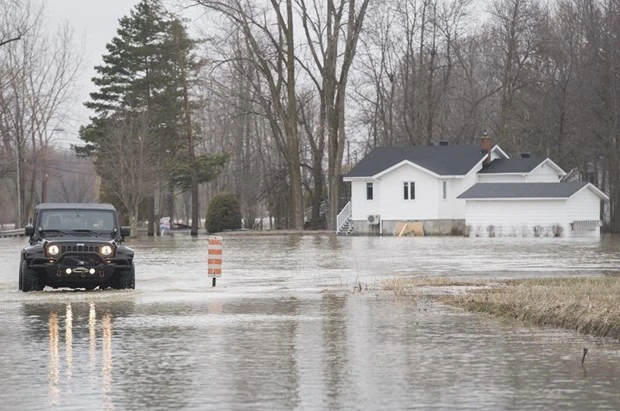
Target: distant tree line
(274,100)
(38,71)
(538,77)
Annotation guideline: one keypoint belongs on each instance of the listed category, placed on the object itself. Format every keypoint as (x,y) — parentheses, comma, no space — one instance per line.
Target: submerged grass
(590,305)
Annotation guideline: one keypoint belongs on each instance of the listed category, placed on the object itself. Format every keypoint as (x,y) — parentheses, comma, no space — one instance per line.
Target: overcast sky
(94,23)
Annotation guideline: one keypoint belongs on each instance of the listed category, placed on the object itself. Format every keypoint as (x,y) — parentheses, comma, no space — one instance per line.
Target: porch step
(347,228)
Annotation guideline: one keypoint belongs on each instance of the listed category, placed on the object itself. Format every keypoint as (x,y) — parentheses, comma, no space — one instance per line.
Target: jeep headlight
(53,250)
(106,250)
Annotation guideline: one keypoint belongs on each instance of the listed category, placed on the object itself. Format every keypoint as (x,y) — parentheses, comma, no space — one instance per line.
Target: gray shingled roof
(522,190)
(512,165)
(442,160)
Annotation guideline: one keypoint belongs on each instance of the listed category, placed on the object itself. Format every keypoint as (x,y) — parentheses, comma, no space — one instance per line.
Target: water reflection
(336,355)
(331,351)
(282,330)
(54,369)
(92,334)
(64,326)
(69,344)
(106,366)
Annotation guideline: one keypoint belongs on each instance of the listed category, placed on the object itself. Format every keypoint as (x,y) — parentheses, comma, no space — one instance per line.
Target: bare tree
(514,38)
(312,117)
(13,23)
(376,83)
(268,33)
(69,179)
(232,121)
(37,74)
(129,164)
(607,106)
(327,29)
(541,79)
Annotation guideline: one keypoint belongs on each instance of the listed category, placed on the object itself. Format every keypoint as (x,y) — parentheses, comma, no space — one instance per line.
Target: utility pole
(19,187)
(44,189)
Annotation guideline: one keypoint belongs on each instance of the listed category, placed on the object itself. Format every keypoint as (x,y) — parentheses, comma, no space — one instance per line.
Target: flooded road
(283,329)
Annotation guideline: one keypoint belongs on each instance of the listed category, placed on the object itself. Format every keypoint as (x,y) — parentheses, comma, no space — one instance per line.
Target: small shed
(569,209)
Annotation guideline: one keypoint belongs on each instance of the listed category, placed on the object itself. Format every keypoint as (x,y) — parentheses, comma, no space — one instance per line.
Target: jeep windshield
(76,222)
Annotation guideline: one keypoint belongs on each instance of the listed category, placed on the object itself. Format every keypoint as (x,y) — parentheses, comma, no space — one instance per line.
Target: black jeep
(76,246)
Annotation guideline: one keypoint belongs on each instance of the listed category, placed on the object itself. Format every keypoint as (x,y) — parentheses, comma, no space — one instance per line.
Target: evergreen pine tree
(144,80)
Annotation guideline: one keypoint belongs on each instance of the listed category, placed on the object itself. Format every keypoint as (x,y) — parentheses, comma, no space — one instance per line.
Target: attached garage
(533,209)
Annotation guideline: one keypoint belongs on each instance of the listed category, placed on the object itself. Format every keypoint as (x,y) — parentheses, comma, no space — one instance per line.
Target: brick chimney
(486,144)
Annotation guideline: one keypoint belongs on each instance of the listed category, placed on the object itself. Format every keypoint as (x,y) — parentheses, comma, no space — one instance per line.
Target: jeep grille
(79,248)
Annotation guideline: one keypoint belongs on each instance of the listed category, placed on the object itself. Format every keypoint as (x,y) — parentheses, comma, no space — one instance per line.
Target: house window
(368,191)
(445,190)
(409,190)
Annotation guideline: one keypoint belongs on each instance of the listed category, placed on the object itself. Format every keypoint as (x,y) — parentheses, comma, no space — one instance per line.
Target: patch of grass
(588,305)
(411,285)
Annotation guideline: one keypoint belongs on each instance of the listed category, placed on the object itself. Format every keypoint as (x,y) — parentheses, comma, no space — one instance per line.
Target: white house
(533,209)
(472,189)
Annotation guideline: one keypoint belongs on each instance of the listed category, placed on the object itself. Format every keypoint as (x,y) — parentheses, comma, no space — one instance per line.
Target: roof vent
(525,155)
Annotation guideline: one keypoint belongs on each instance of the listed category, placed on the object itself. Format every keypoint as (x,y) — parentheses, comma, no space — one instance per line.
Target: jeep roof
(63,206)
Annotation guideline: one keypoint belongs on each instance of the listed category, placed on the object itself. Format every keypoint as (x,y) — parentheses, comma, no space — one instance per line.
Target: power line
(40,167)
(71,171)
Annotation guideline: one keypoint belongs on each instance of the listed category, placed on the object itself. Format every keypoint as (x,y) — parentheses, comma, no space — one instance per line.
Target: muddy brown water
(283,329)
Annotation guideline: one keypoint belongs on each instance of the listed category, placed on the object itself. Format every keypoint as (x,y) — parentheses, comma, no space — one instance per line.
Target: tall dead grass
(588,305)
(412,285)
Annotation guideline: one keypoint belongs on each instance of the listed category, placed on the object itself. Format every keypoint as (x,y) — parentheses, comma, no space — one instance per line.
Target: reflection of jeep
(77,246)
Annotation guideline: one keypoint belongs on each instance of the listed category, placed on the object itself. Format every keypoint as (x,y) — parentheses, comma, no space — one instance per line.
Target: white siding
(544,173)
(584,205)
(394,207)
(496,155)
(360,206)
(461,185)
(516,218)
(501,178)
(388,199)
(445,205)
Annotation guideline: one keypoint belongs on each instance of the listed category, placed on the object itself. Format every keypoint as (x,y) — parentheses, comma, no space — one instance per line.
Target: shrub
(224,213)
(491,230)
(538,230)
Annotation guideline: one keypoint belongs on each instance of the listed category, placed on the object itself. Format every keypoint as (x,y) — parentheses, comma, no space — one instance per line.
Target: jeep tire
(29,279)
(125,279)
(21,276)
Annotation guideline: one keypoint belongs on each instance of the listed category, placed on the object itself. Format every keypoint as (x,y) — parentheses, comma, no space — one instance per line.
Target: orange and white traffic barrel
(214,263)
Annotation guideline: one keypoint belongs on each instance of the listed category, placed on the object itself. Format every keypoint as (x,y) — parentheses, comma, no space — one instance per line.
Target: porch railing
(343,216)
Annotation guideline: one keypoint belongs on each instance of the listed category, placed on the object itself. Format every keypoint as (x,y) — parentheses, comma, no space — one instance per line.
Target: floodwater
(283,329)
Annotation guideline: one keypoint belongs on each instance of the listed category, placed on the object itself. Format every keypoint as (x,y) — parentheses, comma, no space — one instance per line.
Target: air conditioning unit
(373,219)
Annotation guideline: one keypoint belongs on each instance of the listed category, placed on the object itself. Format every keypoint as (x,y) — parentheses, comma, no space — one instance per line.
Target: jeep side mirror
(125,231)
(29,230)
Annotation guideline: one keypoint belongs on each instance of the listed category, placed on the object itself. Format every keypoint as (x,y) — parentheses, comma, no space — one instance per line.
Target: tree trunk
(191,149)
(297,205)
(150,206)
(317,198)
(335,92)
(133,220)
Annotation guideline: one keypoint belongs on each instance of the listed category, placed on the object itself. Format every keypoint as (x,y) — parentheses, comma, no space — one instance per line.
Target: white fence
(12,233)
